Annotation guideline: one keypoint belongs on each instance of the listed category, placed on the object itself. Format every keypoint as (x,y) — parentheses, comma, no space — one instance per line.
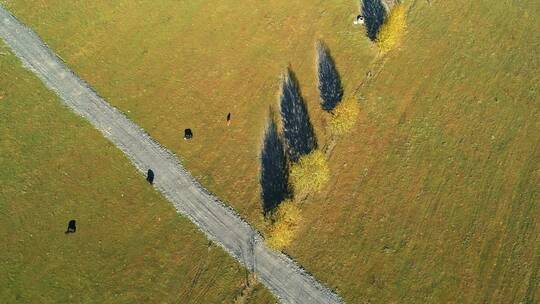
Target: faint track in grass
(280,274)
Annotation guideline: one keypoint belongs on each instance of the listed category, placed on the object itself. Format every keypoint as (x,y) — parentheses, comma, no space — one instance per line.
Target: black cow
(150,176)
(188,134)
(71,227)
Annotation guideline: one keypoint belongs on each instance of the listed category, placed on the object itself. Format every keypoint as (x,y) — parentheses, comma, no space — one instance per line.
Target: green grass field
(130,247)
(171,66)
(434,197)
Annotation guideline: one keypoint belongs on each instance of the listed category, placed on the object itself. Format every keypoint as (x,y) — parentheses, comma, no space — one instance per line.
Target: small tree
(285,222)
(311,173)
(288,212)
(280,236)
(392,29)
(344,117)
(330,88)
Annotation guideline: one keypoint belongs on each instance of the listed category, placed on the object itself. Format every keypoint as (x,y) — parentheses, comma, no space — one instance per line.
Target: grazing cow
(359,20)
(150,176)
(188,134)
(71,227)
(228,119)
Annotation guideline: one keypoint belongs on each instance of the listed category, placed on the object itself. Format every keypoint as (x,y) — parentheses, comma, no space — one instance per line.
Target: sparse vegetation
(284,226)
(393,28)
(344,117)
(311,173)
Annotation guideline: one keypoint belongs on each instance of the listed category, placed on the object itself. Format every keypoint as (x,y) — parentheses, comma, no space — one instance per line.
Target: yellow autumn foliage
(344,117)
(311,173)
(280,236)
(288,212)
(392,29)
(285,224)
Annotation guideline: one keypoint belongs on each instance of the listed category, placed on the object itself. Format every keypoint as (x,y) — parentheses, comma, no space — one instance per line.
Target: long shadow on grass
(297,129)
(374,14)
(330,88)
(274,170)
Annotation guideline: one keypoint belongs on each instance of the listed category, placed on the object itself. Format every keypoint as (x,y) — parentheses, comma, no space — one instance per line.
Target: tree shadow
(374,14)
(330,88)
(274,169)
(297,129)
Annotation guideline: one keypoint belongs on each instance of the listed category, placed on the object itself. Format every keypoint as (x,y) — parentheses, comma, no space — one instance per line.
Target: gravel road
(287,281)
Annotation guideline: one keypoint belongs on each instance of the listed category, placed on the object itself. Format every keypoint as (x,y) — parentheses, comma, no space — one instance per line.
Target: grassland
(131,246)
(171,65)
(434,197)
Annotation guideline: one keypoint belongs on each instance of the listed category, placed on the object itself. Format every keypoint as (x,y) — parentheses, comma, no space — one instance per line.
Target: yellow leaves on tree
(344,117)
(311,173)
(393,29)
(285,224)
(288,212)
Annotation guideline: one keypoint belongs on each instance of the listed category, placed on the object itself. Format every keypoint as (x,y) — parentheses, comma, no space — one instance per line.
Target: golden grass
(434,195)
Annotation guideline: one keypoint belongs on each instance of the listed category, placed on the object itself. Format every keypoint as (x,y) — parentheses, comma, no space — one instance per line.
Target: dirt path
(281,275)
